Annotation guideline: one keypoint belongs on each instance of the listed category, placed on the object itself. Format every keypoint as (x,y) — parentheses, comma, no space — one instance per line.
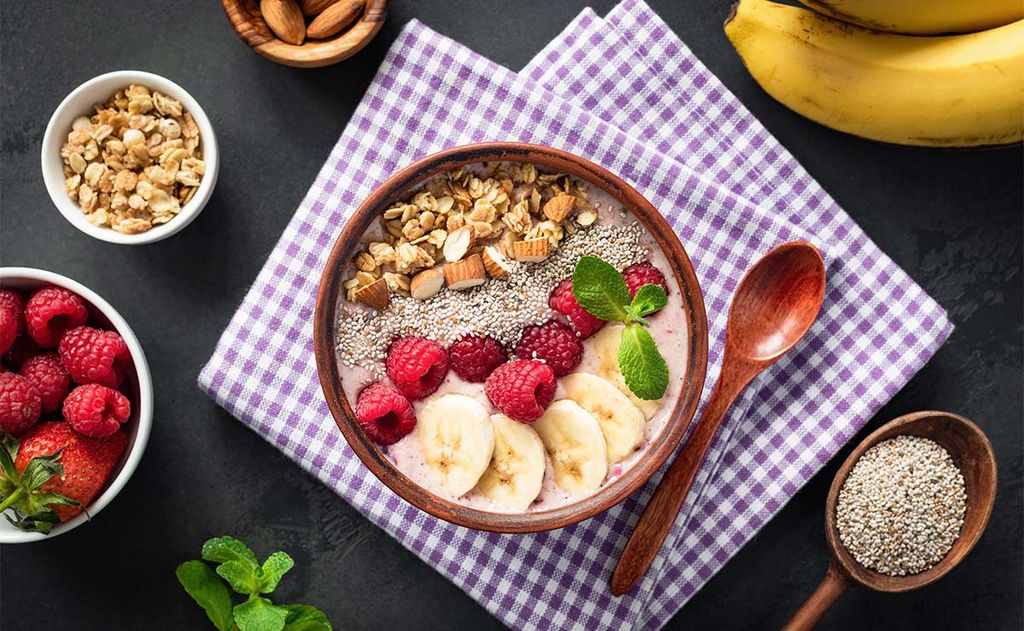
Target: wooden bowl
(331,374)
(245,18)
(971,452)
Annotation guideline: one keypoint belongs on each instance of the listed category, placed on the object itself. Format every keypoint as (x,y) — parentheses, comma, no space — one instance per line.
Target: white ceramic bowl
(139,386)
(80,103)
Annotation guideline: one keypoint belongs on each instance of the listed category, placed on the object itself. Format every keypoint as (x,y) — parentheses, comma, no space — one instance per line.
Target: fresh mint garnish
(642,366)
(236,564)
(602,291)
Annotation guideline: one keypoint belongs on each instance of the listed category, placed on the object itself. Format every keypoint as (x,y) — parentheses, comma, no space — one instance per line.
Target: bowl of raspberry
(76,404)
(510,337)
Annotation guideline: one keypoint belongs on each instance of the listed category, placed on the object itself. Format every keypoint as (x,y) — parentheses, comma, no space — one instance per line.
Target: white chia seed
(499,307)
(902,506)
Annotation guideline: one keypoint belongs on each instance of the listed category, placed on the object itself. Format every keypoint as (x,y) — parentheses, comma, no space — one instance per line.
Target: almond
(531,250)
(495,262)
(285,19)
(469,272)
(458,243)
(335,18)
(427,283)
(314,7)
(559,206)
(375,294)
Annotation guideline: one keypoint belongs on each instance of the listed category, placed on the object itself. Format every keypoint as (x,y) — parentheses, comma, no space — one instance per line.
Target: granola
(134,163)
(467,210)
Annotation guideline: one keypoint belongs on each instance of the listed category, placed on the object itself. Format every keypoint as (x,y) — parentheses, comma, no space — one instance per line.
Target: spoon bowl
(971,452)
(776,302)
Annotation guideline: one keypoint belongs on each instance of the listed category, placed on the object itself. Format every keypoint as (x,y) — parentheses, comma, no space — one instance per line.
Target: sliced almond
(559,206)
(375,294)
(586,217)
(531,250)
(469,272)
(495,262)
(427,283)
(458,243)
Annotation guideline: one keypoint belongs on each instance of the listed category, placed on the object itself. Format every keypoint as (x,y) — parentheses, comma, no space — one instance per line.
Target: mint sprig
(237,567)
(602,291)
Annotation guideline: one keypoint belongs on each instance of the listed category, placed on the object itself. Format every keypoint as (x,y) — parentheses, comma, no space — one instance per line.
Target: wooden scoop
(775,304)
(972,454)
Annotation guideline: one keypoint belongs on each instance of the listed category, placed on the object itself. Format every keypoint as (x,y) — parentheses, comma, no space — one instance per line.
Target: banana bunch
(599,423)
(860,71)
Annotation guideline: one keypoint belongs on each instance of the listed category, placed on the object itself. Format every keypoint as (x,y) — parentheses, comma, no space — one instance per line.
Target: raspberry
(20,403)
(474,357)
(23,349)
(50,378)
(50,312)
(12,317)
(554,343)
(95,410)
(643,274)
(563,301)
(94,356)
(417,366)
(522,389)
(384,414)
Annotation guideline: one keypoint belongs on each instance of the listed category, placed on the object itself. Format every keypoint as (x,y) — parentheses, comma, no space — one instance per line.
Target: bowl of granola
(129,157)
(510,337)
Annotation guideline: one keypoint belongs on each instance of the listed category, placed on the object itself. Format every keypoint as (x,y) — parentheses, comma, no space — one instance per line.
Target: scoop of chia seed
(901,508)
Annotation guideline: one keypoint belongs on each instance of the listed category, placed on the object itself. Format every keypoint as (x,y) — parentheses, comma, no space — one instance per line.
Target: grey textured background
(952,219)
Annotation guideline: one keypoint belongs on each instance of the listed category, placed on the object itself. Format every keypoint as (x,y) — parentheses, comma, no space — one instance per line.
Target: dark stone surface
(952,219)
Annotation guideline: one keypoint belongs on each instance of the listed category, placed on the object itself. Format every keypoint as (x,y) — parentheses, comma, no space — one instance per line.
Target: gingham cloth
(627,94)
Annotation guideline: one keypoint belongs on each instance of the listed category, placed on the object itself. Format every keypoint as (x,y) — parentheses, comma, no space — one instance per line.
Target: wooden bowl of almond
(306,33)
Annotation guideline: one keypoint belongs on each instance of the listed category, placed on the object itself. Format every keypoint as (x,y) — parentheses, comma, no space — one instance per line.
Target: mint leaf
(600,289)
(259,614)
(203,585)
(642,366)
(224,549)
(274,568)
(649,299)
(306,618)
(240,575)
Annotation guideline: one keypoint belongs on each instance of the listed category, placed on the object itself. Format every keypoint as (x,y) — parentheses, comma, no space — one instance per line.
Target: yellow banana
(923,17)
(949,91)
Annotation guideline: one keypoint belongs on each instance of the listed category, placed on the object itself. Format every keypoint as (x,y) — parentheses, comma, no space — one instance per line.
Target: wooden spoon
(972,454)
(775,304)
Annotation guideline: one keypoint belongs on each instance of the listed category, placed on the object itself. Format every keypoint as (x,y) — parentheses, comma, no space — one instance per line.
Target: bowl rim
(144,404)
(406,180)
(75,104)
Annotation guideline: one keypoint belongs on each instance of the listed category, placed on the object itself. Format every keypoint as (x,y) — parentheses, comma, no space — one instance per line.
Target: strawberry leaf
(203,585)
(259,614)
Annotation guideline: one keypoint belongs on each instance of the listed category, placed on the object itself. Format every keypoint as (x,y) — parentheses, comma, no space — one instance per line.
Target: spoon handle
(831,588)
(657,519)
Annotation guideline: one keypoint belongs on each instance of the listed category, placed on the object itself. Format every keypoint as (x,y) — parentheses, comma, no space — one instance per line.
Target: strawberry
(54,473)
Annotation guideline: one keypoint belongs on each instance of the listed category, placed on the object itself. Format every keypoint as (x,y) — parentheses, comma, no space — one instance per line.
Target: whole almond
(285,19)
(314,7)
(335,18)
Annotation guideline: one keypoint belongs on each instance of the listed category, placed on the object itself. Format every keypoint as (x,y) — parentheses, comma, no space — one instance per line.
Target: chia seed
(499,307)
(902,507)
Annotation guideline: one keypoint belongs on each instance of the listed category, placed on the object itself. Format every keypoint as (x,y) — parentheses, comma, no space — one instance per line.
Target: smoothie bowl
(510,337)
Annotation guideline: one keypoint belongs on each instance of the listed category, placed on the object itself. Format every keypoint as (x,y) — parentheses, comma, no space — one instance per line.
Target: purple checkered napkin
(432,93)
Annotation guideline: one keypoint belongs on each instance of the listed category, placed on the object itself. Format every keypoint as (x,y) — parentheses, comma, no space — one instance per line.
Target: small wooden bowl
(331,373)
(245,18)
(972,454)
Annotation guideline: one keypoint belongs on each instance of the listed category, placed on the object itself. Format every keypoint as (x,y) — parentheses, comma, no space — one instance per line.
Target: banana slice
(606,347)
(621,422)
(457,441)
(516,472)
(576,445)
